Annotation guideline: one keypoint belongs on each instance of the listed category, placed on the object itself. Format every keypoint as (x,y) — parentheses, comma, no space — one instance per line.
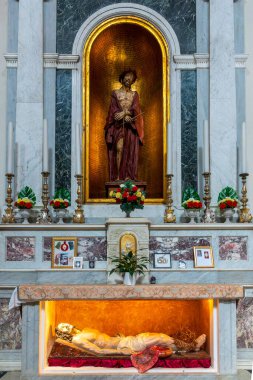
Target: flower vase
(60,214)
(192,214)
(128,212)
(25,215)
(228,214)
(129,279)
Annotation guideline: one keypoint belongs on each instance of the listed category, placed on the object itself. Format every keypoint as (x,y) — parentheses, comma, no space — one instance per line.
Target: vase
(60,214)
(24,213)
(129,279)
(192,214)
(128,214)
(228,214)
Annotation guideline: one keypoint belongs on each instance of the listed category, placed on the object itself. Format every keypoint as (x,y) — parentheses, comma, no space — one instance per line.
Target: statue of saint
(98,343)
(124,129)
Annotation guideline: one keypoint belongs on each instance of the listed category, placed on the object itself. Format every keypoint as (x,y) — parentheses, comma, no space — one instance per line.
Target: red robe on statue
(132,134)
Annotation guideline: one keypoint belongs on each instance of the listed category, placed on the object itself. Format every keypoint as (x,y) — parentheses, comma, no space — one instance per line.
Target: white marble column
(222,97)
(29,112)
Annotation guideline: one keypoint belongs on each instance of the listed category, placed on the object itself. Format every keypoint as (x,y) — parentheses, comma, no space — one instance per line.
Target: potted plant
(25,202)
(227,202)
(191,203)
(60,203)
(129,265)
(129,196)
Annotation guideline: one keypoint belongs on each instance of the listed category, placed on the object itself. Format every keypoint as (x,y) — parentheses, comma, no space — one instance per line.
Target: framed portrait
(203,257)
(162,260)
(78,263)
(64,249)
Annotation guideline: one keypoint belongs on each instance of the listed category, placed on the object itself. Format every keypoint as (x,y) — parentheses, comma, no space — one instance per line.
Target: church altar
(98,93)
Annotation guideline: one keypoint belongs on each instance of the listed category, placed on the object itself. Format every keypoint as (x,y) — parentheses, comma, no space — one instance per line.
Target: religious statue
(98,343)
(124,129)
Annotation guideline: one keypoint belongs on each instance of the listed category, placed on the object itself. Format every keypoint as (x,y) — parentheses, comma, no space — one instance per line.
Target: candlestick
(78,149)
(243,150)
(44,217)
(206,158)
(10,148)
(244,215)
(45,147)
(78,216)
(8,217)
(209,215)
(169,216)
(170,150)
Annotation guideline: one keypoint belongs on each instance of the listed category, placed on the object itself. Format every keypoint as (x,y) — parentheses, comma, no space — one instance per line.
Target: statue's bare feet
(200,341)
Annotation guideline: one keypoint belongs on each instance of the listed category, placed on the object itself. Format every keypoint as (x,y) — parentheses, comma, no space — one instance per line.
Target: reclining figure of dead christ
(97,343)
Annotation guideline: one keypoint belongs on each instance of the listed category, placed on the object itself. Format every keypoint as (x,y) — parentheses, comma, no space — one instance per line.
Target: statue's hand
(128,119)
(119,115)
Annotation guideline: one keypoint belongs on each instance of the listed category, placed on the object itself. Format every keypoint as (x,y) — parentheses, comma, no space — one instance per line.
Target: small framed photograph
(78,263)
(162,260)
(64,249)
(203,257)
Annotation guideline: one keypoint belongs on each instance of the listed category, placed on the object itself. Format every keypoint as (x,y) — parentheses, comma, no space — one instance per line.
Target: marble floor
(242,375)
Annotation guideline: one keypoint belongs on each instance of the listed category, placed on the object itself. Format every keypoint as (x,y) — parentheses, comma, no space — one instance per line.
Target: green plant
(63,194)
(227,198)
(191,199)
(129,262)
(27,192)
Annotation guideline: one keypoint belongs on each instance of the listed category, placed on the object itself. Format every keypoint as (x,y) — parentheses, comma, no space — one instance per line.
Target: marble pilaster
(29,110)
(222,97)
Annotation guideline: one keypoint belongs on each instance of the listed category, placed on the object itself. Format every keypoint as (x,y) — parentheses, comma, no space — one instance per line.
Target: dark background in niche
(71,14)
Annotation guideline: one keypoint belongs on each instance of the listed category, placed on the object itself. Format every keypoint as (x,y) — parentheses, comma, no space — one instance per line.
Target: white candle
(170,150)
(45,147)
(206,158)
(78,149)
(244,150)
(10,148)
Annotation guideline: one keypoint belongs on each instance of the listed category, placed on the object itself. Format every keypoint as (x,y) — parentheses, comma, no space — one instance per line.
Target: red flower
(125,195)
(190,204)
(66,204)
(57,204)
(51,203)
(130,198)
(21,203)
(117,200)
(141,202)
(29,205)
(134,188)
(134,198)
(222,206)
(118,190)
(229,203)
(234,204)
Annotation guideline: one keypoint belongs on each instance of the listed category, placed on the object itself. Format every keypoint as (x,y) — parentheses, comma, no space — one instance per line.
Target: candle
(170,150)
(45,147)
(244,150)
(206,148)
(78,149)
(10,148)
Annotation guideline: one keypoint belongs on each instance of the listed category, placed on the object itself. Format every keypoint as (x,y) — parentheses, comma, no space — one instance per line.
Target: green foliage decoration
(62,193)
(190,193)
(227,192)
(27,192)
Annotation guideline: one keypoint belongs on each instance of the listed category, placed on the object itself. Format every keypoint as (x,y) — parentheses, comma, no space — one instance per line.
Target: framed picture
(78,263)
(162,260)
(203,257)
(64,249)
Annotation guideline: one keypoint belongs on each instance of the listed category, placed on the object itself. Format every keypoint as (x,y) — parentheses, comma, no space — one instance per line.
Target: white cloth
(14,301)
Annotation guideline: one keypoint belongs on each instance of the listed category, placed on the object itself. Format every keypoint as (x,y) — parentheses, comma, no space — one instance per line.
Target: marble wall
(245,323)
(10,327)
(233,248)
(20,248)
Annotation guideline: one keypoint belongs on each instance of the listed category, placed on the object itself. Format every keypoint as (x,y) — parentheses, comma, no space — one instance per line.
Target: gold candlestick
(209,216)
(8,217)
(244,215)
(78,216)
(169,216)
(44,217)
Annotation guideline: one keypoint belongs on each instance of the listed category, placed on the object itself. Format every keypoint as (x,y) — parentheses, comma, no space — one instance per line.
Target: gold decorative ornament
(244,214)
(169,216)
(78,216)
(44,217)
(209,215)
(8,217)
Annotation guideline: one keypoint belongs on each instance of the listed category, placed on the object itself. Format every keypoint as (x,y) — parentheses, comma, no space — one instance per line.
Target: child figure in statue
(98,343)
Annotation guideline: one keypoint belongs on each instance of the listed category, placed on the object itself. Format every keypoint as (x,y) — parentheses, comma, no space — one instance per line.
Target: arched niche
(131,20)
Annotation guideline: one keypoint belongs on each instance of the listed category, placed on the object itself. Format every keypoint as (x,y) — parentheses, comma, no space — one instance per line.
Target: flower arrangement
(227,198)
(129,263)
(26,198)
(129,196)
(61,199)
(191,199)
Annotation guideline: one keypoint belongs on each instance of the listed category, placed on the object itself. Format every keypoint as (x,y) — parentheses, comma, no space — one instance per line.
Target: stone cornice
(98,292)
(70,61)
(50,60)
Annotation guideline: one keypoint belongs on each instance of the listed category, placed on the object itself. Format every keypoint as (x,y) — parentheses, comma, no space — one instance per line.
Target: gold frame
(122,241)
(210,249)
(86,105)
(62,238)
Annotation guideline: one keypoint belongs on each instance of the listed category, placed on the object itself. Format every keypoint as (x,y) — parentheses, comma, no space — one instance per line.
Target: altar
(126,192)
